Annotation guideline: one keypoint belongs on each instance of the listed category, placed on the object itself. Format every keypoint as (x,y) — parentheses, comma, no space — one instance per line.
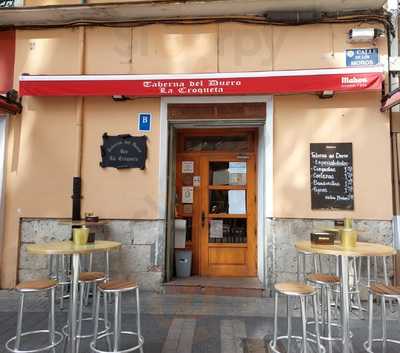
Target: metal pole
(73,302)
(19,324)
(289,323)
(116,320)
(345,303)
(275,319)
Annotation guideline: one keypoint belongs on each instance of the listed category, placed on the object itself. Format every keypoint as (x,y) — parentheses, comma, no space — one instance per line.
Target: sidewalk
(185,323)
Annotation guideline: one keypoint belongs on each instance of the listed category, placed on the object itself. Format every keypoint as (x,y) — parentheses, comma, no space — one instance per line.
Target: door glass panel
(227,201)
(188,229)
(227,173)
(228,231)
(216,143)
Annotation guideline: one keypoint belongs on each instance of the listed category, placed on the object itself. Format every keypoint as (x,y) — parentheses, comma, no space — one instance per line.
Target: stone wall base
(141,257)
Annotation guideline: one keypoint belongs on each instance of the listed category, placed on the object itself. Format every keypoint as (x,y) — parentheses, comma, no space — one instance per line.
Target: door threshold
(228,286)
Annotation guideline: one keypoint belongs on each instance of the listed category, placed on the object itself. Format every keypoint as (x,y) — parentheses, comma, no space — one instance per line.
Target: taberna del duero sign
(331,176)
(124,151)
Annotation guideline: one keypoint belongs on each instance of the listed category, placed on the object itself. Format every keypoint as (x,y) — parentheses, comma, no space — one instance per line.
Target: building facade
(238,165)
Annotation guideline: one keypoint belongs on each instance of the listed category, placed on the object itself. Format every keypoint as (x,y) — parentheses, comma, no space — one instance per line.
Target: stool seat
(294,288)
(18,343)
(322,278)
(91,276)
(118,286)
(36,285)
(383,289)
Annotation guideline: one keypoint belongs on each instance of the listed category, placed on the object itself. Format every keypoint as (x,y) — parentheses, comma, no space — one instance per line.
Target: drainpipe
(395,136)
(77,182)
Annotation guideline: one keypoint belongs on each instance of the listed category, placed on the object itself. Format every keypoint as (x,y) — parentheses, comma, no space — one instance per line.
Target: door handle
(203,218)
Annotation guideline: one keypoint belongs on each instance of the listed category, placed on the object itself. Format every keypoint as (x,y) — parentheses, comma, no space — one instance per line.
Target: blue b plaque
(144,122)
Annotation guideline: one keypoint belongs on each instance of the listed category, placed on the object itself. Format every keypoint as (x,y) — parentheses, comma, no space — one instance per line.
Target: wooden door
(221,215)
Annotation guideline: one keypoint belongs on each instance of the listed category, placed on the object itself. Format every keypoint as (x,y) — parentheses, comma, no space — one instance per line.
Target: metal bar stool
(85,280)
(117,288)
(301,260)
(55,337)
(384,292)
(60,271)
(301,291)
(90,269)
(328,285)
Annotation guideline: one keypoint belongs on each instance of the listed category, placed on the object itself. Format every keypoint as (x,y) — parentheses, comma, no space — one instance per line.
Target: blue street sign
(362,57)
(144,122)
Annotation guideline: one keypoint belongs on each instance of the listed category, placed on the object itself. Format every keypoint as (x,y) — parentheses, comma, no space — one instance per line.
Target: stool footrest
(324,338)
(107,326)
(294,338)
(368,349)
(130,333)
(58,338)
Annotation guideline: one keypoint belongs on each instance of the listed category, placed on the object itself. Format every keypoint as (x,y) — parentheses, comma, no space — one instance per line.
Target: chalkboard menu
(124,151)
(331,176)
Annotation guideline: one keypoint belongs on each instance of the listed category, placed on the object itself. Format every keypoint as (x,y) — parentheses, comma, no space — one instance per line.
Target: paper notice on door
(187,167)
(180,233)
(187,194)
(216,229)
(196,181)
(237,201)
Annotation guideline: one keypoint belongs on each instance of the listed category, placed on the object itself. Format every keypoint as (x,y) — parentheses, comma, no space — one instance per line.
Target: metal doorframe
(264,169)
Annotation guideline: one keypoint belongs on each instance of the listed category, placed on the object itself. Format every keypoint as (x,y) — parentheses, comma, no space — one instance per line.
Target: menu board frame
(332,176)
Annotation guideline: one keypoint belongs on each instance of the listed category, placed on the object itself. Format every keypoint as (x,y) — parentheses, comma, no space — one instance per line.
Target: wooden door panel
(227,256)
(234,255)
(234,251)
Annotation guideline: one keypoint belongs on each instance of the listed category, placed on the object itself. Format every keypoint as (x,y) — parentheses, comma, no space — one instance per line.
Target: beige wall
(39,170)
(303,119)
(113,193)
(42,139)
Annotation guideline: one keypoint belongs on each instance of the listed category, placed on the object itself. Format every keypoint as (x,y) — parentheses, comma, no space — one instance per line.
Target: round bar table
(69,248)
(361,249)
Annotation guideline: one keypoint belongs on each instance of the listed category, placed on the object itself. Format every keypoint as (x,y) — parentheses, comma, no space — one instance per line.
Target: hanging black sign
(331,176)
(124,151)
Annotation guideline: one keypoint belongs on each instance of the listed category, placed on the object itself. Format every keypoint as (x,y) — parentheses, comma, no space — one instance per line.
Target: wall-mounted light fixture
(120,98)
(326,94)
(358,35)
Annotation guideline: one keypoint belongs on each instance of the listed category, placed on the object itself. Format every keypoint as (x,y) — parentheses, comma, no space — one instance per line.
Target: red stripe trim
(199,86)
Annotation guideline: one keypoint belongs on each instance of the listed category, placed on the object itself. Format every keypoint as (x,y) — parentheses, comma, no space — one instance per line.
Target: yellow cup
(348,238)
(80,235)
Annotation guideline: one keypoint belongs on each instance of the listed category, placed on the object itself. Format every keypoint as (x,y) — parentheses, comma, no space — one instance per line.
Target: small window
(216,143)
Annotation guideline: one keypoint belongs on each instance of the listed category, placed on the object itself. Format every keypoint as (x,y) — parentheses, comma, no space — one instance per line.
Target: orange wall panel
(108,50)
(49,51)
(243,47)
(174,49)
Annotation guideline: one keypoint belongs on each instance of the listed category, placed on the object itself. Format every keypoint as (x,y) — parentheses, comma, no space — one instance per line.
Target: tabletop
(82,222)
(361,249)
(69,248)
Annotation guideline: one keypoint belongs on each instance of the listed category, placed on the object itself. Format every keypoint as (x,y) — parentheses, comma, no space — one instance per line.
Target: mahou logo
(354,80)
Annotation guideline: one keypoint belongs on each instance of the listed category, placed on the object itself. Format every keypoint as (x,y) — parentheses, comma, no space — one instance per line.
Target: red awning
(246,83)
(390,100)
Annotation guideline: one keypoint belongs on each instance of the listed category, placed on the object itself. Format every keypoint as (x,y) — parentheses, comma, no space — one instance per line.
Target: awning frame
(390,100)
(207,84)
(10,104)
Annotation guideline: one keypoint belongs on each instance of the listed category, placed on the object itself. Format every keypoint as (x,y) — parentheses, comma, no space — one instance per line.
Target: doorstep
(228,286)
